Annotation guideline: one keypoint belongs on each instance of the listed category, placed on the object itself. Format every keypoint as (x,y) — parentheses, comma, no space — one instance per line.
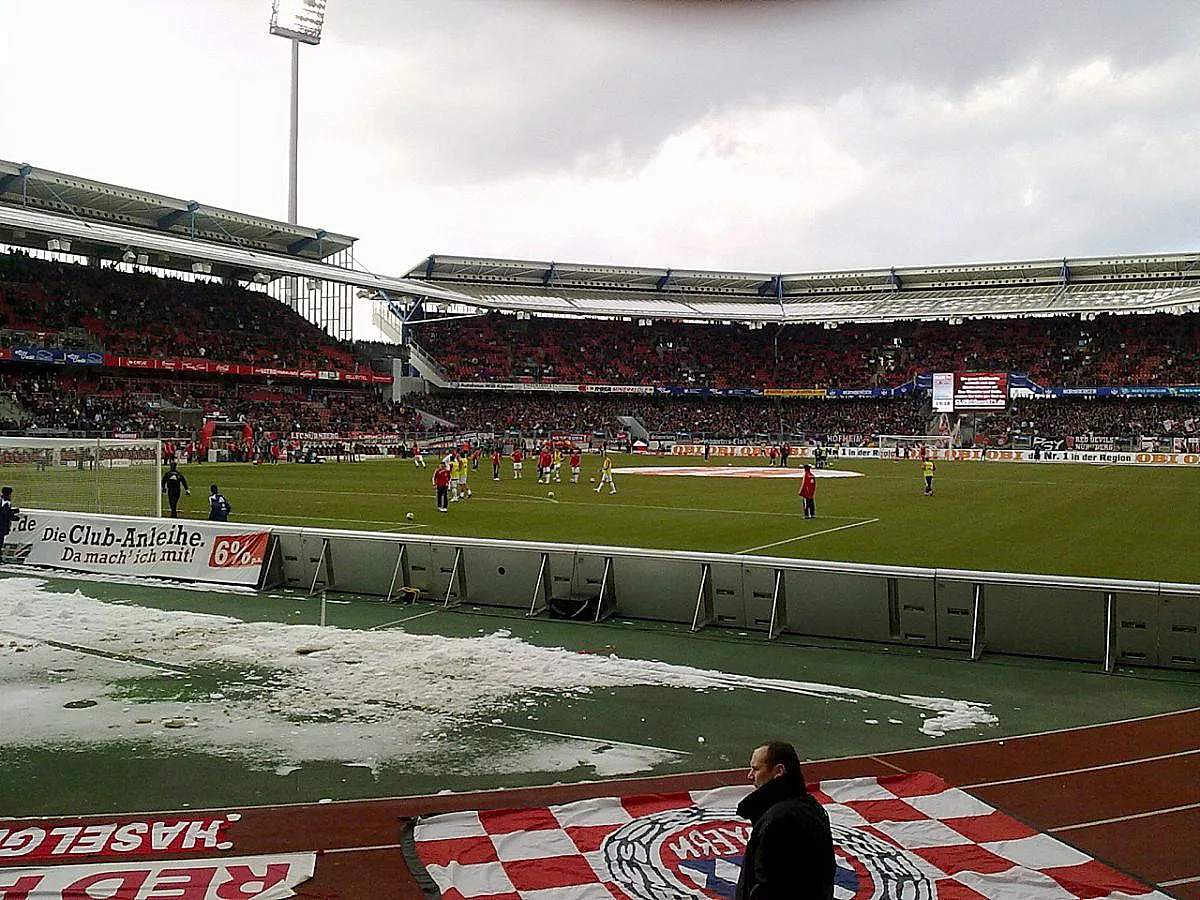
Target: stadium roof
(46,191)
(1084,286)
(104,221)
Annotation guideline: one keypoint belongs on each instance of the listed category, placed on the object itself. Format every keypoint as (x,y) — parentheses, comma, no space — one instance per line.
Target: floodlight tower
(300,21)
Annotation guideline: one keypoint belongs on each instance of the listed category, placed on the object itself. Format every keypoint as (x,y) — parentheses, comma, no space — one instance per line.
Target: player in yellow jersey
(606,475)
(464,466)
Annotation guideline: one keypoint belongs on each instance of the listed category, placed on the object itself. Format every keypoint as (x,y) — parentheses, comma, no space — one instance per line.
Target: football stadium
(498,604)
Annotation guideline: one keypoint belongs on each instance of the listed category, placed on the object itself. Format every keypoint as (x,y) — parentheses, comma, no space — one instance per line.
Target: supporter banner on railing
(217,552)
(209,367)
(56,356)
(859,393)
(1187,390)
(712,392)
(553,388)
(813,393)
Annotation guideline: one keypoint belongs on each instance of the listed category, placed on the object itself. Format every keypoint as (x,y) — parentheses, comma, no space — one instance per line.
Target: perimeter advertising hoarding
(189,550)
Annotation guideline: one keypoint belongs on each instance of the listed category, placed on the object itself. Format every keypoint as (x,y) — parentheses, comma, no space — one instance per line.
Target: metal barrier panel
(1038,620)
(1116,622)
(729,593)
(1136,628)
(501,578)
(420,565)
(955,613)
(589,577)
(829,604)
(362,565)
(293,568)
(444,574)
(758,592)
(913,606)
(663,590)
(1179,631)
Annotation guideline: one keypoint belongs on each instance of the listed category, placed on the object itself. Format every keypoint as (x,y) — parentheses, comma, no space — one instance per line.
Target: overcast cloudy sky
(758,136)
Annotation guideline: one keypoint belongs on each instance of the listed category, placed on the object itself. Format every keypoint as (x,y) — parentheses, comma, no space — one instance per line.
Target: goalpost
(98,475)
(908,446)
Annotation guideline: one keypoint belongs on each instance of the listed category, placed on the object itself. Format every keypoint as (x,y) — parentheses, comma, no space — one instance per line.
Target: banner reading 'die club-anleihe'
(185,549)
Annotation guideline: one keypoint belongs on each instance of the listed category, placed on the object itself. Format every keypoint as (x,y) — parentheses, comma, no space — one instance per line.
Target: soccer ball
(409,516)
(551,495)
(592,480)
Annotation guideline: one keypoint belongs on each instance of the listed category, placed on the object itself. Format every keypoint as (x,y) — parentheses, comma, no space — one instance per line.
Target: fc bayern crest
(693,852)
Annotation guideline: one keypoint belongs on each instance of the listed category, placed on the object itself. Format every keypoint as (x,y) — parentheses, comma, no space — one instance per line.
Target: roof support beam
(295,247)
(22,175)
(170,219)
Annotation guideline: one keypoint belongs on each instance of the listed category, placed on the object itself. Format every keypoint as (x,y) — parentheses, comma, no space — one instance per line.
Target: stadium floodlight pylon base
(108,476)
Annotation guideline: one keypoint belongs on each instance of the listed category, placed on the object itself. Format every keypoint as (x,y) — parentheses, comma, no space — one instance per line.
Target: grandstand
(129,313)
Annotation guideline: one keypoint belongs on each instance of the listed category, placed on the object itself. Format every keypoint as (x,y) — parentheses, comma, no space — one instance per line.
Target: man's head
(212,488)
(172,466)
(807,468)
(771,760)
(6,492)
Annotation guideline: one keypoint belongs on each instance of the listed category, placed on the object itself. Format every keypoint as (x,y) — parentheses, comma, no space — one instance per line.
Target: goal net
(911,446)
(96,475)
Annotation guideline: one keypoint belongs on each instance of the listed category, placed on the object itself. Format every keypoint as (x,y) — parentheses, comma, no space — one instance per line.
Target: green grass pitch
(1098,521)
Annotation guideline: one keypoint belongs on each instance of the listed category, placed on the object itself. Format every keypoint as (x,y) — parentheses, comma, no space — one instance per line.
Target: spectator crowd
(52,304)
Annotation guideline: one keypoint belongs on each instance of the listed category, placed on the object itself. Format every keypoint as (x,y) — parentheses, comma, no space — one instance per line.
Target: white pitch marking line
(802,537)
(1097,768)
(1178,881)
(351,521)
(402,621)
(1142,815)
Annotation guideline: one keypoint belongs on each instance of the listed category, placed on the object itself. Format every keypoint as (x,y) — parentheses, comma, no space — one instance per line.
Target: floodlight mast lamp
(300,21)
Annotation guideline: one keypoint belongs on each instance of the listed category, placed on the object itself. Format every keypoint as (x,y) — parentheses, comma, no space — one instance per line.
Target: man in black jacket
(790,852)
(173,483)
(8,512)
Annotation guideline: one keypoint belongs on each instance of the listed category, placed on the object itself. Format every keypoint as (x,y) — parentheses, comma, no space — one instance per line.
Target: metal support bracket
(778,608)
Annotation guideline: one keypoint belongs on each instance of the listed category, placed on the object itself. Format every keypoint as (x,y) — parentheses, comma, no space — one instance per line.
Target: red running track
(1127,794)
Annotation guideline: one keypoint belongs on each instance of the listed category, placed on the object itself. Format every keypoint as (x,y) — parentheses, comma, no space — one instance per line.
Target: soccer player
(808,493)
(418,456)
(545,461)
(606,475)
(464,466)
(451,463)
(556,465)
(441,484)
(927,469)
(495,464)
(518,457)
(574,463)
(218,507)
